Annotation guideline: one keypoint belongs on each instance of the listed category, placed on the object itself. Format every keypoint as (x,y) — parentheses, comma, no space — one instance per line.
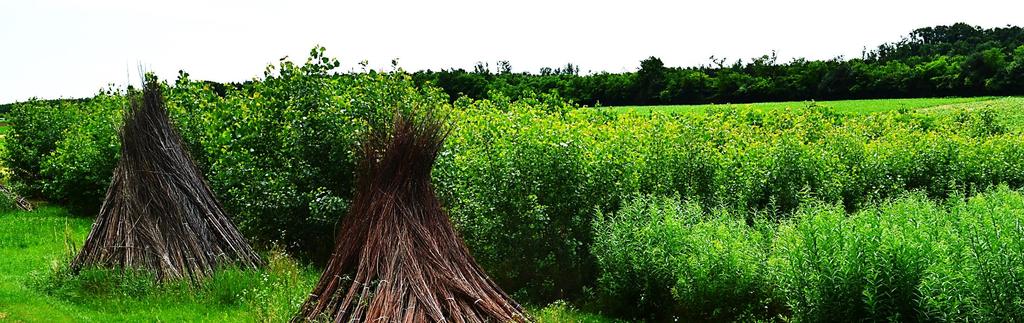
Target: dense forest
(955,60)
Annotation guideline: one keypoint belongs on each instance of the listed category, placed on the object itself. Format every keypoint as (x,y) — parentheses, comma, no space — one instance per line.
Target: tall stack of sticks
(159,213)
(18,200)
(397,257)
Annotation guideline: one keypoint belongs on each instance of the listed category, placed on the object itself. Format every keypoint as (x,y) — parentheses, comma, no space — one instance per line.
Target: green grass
(30,242)
(562,312)
(36,287)
(1008,109)
(846,106)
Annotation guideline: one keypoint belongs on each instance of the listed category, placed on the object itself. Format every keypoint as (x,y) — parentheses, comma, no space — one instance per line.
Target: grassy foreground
(35,287)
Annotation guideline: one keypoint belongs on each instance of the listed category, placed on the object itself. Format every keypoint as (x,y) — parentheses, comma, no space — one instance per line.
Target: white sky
(66,48)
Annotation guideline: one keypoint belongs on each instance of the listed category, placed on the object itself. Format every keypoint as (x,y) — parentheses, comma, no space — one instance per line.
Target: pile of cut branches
(159,213)
(397,257)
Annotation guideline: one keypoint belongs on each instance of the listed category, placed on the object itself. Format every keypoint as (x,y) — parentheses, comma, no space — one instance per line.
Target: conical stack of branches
(397,257)
(159,213)
(18,200)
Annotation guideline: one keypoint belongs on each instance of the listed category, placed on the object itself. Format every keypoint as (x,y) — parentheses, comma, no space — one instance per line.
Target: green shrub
(636,250)
(91,284)
(560,311)
(37,127)
(722,276)
(522,179)
(831,267)
(281,152)
(65,150)
(662,259)
(514,182)
(79,170)
(907,260)
(7,203)
(979,272)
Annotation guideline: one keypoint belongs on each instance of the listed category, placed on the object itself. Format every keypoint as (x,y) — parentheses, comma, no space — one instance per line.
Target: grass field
(847,106)
(35,287)
(36,245)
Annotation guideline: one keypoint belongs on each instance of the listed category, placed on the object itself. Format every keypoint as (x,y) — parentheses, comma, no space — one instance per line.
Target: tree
(504,67)
(650,80)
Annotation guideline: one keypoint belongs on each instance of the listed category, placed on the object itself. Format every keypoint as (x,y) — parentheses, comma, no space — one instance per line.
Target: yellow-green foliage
(522,179)
(661,260)
(908,259)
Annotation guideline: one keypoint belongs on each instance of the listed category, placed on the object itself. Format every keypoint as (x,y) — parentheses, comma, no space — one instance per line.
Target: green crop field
(844,106)
(873,210)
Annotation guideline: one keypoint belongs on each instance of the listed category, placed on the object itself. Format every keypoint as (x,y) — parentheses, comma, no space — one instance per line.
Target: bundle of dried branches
(18,200)
(397,257)
(159,213)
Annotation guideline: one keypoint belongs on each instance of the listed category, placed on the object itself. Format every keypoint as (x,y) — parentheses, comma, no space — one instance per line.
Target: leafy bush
(560,311)
(663,259)
(514,180)
(79,170)
(979,269)
(37,128)
(7,203)
(830,267)
(523,180)
(638,251)
(281,152)
(65,150)
(93,283)
(907,260)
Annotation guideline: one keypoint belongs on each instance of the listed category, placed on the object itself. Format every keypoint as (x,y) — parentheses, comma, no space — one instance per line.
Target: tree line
(954,60)
(941,61)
